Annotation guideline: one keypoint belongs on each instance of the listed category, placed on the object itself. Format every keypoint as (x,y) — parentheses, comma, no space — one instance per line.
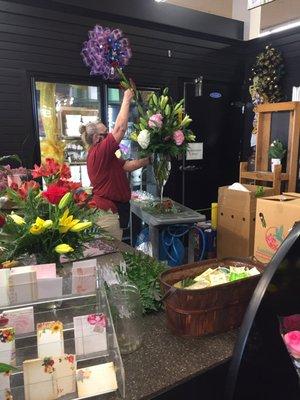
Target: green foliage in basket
(187,282)
(143,271)
(277,149)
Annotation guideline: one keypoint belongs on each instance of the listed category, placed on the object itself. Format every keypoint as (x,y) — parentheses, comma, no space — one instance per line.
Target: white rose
(143,139)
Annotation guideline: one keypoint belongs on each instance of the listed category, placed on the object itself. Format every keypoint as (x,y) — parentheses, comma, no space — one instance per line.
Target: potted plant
(276,153)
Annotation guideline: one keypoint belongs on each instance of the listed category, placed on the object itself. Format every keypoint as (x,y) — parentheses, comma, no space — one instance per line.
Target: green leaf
(7,368)
(187,282)
(143,271)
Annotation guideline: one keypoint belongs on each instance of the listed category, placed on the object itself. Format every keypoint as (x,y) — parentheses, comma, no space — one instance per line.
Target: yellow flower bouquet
(50,223)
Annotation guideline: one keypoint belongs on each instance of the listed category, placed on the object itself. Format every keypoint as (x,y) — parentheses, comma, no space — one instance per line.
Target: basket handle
(169,293)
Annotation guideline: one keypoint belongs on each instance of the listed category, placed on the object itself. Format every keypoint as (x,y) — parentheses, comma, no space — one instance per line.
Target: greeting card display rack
(71,362)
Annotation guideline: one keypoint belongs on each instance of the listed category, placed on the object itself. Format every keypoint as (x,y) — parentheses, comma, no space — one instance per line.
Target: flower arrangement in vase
(276,153)
(58,220)
(163,131)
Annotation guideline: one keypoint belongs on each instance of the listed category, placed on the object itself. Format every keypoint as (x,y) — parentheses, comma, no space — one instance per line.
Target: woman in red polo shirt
(107,173)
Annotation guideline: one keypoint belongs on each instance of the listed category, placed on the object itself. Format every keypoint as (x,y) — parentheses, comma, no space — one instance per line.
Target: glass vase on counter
(161,170)
(126,309)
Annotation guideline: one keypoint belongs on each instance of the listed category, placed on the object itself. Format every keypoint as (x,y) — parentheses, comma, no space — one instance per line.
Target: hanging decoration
(51,146)
(267,73)
(106,52)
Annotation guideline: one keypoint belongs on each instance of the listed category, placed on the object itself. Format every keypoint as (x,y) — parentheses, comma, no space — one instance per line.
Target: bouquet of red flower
(58,220)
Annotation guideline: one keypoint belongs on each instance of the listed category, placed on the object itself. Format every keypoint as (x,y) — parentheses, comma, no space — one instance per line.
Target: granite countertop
(165,361)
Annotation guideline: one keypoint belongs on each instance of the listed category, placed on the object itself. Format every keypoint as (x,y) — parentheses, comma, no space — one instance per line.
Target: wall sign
(257,3)
(194,151)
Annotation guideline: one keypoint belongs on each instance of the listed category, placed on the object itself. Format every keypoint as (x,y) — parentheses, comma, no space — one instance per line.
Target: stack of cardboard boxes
(236,220)
(250,226)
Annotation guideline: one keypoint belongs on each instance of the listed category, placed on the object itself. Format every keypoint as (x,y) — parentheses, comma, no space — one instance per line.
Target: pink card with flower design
(84,277)
(90,333)
(22,319)
(95,380)
(7,345)
(50,340)
(49,378)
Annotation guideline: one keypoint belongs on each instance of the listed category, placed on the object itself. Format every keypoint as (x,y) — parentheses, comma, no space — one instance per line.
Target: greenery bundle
(143,271)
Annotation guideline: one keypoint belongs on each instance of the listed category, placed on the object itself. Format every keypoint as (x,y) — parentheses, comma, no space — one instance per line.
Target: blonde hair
(87,133)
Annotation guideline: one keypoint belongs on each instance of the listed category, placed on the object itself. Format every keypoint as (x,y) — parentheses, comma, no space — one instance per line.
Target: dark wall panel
(288,43)
(35,41)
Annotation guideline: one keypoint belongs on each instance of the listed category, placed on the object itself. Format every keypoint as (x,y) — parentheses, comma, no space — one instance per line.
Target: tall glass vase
(161,169)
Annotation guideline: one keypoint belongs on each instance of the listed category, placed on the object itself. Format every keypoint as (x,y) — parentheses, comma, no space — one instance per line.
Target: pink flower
(155,121)
(178,137)
(97,319)
(292,322)
(292,341)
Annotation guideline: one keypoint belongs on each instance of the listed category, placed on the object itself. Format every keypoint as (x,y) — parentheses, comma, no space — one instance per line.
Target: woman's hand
(128,95)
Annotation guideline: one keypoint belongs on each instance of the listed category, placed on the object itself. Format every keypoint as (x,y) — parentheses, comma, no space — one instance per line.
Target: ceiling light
(280,28)
(160,1)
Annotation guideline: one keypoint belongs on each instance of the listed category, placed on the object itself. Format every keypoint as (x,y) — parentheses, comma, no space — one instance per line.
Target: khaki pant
(110,223)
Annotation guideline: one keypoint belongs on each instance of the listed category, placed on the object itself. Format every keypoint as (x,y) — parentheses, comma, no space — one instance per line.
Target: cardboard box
(275,217)
(236,221)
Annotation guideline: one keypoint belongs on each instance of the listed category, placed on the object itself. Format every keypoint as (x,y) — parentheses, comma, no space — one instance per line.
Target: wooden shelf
(263,176)
(264,138)
(277,107)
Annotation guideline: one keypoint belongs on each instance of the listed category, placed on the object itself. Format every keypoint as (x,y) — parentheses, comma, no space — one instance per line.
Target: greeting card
(44,271)
(49,288)
(95,380)
(85,263)
(22,285)
(84,277)
(5,392)
(50,340)
(7,345)
(21,319)
(49,378)
(4,276)
(90,333)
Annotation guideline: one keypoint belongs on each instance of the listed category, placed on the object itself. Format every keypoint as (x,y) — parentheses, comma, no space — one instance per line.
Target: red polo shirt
(107,176)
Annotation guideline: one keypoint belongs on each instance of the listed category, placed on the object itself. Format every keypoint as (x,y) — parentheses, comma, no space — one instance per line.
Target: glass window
(61,109)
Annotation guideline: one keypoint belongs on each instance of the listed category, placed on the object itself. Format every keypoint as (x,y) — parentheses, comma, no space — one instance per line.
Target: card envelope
(90,333)
(50,340)
(22,319)
(7,345)
(49,378)
(95,380)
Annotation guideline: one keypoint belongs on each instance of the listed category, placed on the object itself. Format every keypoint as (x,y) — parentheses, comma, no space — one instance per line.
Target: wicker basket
(212,310)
